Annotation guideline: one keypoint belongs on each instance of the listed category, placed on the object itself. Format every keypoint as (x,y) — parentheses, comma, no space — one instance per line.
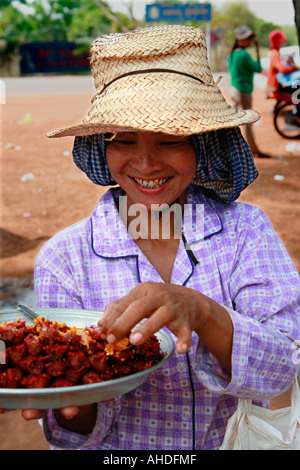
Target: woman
(226,289)
(242,68)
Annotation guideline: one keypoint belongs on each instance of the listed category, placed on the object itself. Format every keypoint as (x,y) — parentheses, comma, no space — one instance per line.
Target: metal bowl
(45,398)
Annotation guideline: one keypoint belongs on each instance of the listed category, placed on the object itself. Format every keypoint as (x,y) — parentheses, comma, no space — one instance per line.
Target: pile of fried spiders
(52,354)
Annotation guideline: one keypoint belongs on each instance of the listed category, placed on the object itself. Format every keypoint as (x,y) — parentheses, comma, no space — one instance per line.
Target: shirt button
(181,366)
(186,416)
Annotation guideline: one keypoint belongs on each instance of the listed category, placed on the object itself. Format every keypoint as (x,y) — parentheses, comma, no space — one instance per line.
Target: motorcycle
(285,122)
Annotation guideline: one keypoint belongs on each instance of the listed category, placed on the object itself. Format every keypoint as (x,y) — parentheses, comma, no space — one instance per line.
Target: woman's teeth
(150,183)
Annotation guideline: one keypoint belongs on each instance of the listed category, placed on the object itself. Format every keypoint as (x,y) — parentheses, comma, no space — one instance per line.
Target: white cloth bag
(255,428)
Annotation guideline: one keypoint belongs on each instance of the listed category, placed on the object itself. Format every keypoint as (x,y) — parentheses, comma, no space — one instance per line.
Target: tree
(297,17)
(80,21)
(238,13)
(60,20)
(232,14)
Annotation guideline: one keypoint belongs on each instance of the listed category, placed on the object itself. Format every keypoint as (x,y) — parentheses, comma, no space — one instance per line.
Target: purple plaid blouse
(185,404)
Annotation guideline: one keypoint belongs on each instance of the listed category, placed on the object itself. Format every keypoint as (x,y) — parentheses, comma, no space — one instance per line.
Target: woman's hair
(235,46)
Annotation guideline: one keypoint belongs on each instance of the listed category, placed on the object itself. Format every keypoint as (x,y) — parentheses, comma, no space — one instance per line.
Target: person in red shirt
(277,40)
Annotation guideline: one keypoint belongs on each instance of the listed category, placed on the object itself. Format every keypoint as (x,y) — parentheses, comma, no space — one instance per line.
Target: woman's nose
(147,158)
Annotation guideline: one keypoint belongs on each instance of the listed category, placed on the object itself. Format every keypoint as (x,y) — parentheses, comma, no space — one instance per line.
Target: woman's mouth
(151,184)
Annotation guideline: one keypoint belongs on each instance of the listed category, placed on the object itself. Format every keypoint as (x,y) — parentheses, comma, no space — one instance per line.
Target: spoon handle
(28,311)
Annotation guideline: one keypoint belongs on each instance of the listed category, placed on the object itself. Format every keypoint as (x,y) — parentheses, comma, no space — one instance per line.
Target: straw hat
(243,32)
(155,79)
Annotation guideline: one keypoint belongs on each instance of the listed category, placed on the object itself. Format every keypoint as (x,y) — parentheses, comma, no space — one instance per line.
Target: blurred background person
(280,71)
(277,40)
(242,69)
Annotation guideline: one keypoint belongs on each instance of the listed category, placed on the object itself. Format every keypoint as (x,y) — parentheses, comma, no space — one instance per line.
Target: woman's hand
(80,419)
(68,413)
(181,309)
(29,414)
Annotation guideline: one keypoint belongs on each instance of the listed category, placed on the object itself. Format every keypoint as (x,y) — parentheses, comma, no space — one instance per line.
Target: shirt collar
(110,238)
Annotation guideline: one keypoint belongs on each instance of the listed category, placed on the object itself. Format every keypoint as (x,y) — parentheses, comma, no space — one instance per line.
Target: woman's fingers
(32,414)
(164,316)
(160,305)
(184,339)
(161,315)
(107,313)
(133,313)
(68,412)
(159,318)
(114,312)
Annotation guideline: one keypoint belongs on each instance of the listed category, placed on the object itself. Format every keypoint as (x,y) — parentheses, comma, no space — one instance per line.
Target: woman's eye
(172,143)
(123,142)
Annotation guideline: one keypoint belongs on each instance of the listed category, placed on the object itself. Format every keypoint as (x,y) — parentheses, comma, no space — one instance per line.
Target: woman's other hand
(80,419)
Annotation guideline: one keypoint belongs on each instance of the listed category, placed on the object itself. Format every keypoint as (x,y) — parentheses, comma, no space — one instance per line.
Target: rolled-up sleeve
(265,293)
(60,438)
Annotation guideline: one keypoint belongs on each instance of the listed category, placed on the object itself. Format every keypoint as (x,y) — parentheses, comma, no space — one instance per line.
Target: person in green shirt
(242,69)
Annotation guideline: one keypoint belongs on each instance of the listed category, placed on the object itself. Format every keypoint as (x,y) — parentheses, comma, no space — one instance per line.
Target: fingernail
(111,338)
(70,412)
(135,338)
(184,348)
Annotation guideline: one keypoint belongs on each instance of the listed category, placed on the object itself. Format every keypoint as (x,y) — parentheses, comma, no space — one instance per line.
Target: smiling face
(151,168)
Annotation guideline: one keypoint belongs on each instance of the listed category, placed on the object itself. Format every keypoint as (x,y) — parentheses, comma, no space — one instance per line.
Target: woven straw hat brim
(159,102)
